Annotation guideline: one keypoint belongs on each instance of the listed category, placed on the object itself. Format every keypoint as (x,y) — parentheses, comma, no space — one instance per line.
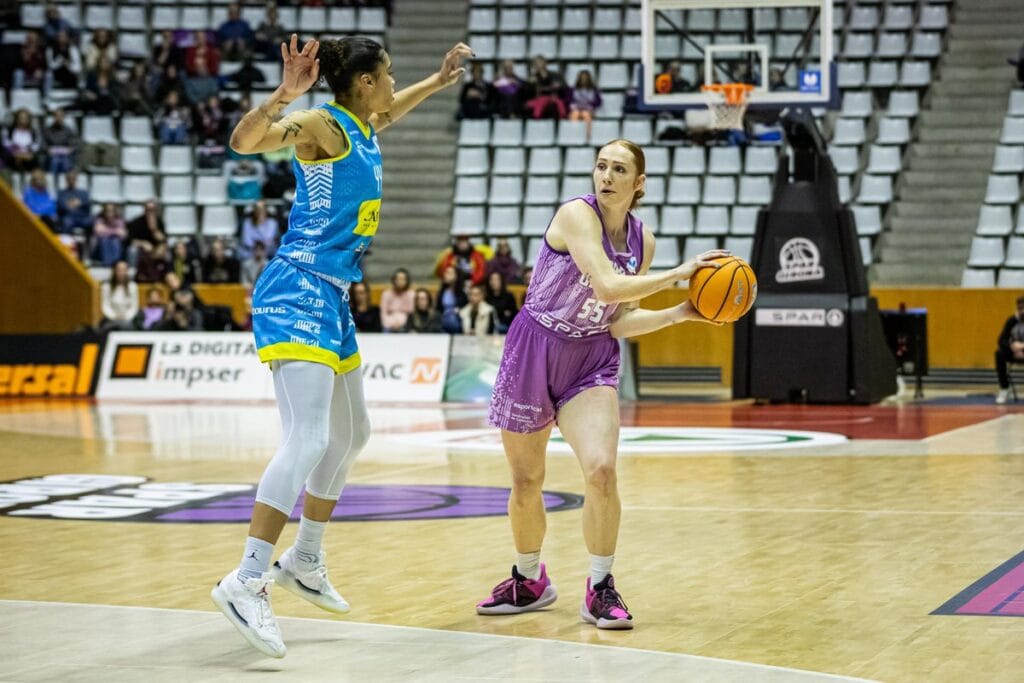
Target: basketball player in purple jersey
(561,364)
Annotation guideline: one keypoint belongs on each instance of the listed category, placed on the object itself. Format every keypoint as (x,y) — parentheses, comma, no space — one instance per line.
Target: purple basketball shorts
(541,371)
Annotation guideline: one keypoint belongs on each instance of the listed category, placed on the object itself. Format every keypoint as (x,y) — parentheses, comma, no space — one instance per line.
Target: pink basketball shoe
(519,594)
(603,607)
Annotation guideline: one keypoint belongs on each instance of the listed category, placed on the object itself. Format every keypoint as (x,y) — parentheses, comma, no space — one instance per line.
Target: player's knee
(601,478)
(310,444)
(526,482)
(360,434)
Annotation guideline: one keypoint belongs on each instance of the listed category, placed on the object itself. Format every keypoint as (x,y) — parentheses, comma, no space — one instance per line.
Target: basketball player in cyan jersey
(301,318)
(561,364)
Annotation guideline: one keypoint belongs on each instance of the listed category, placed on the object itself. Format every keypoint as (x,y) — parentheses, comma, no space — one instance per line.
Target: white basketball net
(725,116)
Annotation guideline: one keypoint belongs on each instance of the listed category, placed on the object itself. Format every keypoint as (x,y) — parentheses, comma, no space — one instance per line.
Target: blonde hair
(638,160)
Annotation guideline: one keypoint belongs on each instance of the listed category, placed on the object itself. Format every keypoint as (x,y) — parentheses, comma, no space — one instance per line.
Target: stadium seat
(344,19)
(719,190)
(543,44)
(1016,105)
(698,245)
(1002,189)
(882,74)
(915,74)
(512,46)
(604,46)
(532,250)
(638,131)
(926,45)
(712,220)
(509,132)
(1013,131)
(848,132)
(180,220)
(1008,159)
(604,130)
(373,20)
(868,220)
(542,190)
(933,18)
(613,76)
(211,190)
(503,221)
(865,251)
(195,18)
(27,98)
(572,133)
(744,220)
(892,45)
(539,133)
(689,161)
(856,46)
(724,161)
(175,159)
(684,190)
(575,186)
(165,17)
(676,220)
(176,190)
(903,104)
(579,160)
(472,161)
(505,191)
(650,216)
(138,188)
(986,252)
(99,16)
(485,45)
(884,160)
(654,190)
(875,189)
(851,75)
(1015,253)
(467,220)
(1011,278)
(863,18)
(740,246)
(898,18)
(856,104)
(536,219)
(137,130)
(137,159)
(761,161)
(977,278)
(994,221)
(666,253)
(105,188)
(755,190)
(845,191)
(474,132)
(509,161)
(219,220)
(657,161)
(845,159)
(893,131)
(573,47)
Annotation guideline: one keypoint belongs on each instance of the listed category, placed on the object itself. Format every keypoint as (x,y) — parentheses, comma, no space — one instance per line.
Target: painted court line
(939,513)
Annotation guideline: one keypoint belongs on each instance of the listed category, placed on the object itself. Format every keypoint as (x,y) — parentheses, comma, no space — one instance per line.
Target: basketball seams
(728,292)
(700,292)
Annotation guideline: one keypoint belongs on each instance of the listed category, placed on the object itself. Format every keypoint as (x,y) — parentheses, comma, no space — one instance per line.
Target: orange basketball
(724,294)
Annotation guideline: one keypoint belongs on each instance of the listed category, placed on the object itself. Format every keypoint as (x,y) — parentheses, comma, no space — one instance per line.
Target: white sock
(600,567)
(255,559)
(528,564)
(309,540)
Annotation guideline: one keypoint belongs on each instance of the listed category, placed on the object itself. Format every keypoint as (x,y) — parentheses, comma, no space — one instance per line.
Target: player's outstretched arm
(633,321)
(578,227)
(407,99)
(262,129)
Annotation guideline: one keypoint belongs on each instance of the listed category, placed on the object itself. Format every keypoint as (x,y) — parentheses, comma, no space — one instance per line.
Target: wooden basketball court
(758,543)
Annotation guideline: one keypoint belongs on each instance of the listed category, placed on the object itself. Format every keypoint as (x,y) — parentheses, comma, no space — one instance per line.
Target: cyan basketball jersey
(337,205)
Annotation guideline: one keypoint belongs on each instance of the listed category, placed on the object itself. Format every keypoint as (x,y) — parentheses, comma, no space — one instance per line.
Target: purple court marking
(381,503)
(1000,593)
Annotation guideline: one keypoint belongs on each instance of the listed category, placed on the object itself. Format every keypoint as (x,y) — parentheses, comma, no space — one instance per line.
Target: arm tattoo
(290,128)
(331,122)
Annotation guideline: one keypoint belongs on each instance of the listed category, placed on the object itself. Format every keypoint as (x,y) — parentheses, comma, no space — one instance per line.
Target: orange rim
(735,93)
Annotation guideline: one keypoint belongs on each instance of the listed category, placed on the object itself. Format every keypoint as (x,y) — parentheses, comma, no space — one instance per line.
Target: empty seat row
(859,104)
(997,220)
(885,74)
(1003,189)
(923,44)
(510,191)
(891,131)
(987,252)
(986,277)
(200,190)
(580,160)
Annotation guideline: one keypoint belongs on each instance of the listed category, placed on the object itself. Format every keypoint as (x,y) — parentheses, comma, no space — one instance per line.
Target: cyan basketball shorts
(299,316)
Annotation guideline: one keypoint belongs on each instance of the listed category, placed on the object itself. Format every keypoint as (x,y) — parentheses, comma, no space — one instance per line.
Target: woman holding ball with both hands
(561,364)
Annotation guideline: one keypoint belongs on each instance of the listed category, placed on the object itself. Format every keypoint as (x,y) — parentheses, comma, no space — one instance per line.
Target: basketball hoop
(728,103)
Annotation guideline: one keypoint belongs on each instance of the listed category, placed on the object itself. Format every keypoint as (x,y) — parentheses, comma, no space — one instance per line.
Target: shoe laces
(609,597)
(507,588)
(261,591)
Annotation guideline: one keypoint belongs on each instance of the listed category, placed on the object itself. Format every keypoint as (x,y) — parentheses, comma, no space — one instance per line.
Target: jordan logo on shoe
(253,556)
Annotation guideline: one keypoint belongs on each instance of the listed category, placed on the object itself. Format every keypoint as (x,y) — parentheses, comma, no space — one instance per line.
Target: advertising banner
(48,365)
(225,365)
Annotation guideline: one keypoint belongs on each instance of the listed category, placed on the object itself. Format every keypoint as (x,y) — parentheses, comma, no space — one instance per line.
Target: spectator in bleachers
(278,168)
(477,315)
(509,91)
(546,91)
(584,99)
(169,81)
(270,34)
(152,314)
(253,265)
(220,267)
(469,261)
(671,79)
(30,70)
(527,276)
(109,233)
(145,231)
(39,200)
(245,180)
(503,262)
(55,23)
(396,302)
(101,45)
(172,121)
(60,143)
(476,101)
(21,143)
(1010,349)
(502,301)
(210,154)
(211,121)
(119,299)
(74,206)
(185,265)
(246,76)
(451,297)
(167,52)
(259,227)
(235,36)
(364,313)
(184,314)
(423,319)
(64,60)
(200,85)
(135,97)
(153,264)
(102,94)
(202,53)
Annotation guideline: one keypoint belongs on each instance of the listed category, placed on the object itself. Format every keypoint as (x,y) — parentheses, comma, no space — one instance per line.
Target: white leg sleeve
(303,392)
(350,430)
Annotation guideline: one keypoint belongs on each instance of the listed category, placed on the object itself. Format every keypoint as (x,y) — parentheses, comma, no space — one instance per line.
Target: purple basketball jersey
(560,297)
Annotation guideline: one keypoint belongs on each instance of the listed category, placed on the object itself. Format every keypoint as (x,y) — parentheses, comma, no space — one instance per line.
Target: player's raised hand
(451,67)
(301,68)
(705,260)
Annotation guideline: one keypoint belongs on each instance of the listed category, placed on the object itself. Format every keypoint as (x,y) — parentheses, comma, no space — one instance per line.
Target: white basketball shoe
(308,580)
(246,604)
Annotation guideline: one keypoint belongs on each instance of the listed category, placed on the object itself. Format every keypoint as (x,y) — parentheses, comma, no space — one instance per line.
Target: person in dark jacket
(1010,349)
